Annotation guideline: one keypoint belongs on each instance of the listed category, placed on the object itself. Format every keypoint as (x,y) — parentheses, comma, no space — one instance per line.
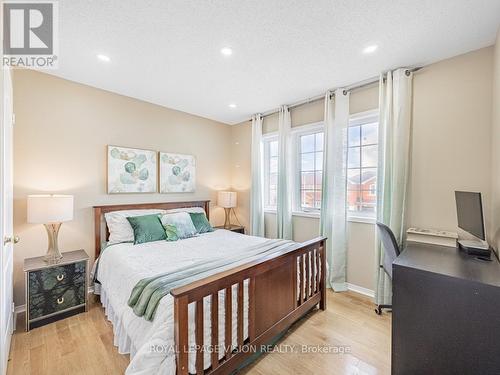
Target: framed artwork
(177,173)
(132,170)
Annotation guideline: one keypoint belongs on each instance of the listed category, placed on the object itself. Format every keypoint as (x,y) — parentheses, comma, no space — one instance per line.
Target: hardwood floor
(83,344)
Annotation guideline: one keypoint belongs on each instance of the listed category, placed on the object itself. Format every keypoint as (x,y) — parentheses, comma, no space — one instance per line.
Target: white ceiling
(168,52)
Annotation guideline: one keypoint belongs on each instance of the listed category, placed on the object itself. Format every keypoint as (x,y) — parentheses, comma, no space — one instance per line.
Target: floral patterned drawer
(58,299)
(49,278)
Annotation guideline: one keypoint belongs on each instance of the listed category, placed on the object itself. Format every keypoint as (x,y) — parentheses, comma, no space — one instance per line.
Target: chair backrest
(391,248)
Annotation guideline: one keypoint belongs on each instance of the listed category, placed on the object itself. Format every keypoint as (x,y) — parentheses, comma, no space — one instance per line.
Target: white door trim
(6,256)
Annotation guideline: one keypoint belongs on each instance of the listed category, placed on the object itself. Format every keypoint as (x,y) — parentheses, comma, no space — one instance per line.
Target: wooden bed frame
(274,300)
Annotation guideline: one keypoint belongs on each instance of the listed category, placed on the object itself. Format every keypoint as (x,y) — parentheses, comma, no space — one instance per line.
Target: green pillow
(147,228)
(200,222)
(171,232)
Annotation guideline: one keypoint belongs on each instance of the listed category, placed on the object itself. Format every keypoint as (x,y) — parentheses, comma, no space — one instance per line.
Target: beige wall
(361,100)
(451,150)
(60,137)
(495,150)
(241,140)
(451,137)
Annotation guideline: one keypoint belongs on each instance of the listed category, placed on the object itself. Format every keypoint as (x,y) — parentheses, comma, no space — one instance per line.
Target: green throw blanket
(148,292)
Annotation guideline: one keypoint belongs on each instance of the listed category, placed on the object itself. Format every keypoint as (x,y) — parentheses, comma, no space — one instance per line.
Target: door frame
(6,77)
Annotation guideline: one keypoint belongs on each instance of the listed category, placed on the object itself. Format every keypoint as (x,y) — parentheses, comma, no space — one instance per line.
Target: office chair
(391,252)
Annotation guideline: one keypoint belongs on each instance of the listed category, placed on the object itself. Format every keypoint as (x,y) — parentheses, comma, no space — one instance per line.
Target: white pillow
(119,227)
(189,210)
(182,222)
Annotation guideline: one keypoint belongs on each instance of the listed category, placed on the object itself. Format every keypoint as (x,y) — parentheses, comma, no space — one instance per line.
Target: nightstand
(57,290)
(233,228)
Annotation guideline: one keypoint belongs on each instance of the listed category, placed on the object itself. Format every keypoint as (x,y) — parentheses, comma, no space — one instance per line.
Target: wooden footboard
(281,289)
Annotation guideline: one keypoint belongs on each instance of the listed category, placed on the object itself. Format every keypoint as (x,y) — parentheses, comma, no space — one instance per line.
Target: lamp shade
(48,209)
(226,199)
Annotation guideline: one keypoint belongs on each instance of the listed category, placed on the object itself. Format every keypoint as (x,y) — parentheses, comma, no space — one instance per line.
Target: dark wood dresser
(446,312)
(57,290)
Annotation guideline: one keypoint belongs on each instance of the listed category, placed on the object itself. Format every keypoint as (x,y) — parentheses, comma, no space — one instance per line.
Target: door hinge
(13,119)
(13,307)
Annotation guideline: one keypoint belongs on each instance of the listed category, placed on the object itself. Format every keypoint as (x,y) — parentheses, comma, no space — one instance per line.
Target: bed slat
(215,330)
(199,337)
(251,309)
(301,290)
(241,292)
(228,342)
(299,284)
(308,281)
(316,270)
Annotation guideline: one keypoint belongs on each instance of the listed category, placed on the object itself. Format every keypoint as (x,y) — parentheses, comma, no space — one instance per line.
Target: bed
(245,306)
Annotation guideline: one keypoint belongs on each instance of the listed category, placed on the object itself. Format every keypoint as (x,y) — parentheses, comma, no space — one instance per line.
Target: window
(307,143)
(270,171)
(310,161)
(362,162)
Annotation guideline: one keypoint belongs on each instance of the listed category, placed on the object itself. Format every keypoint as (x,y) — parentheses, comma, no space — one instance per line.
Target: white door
(6,235)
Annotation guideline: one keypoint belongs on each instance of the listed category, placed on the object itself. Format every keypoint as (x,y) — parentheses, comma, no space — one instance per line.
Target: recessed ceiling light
(226,51)
(103,58)
(370,49)
(232,105)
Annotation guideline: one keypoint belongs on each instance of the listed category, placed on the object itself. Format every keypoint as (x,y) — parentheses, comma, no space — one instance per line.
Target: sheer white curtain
(395,105)
(257,189)
(333,200)
(285,176)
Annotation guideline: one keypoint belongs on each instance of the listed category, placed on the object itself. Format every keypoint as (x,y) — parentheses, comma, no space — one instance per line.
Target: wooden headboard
(99,211)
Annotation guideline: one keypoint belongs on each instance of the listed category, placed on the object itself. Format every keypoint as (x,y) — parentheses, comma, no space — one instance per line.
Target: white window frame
(357,119)
(297,132)
(266,138)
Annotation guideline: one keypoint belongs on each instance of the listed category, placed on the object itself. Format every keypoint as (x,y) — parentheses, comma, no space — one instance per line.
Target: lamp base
(53,254)
(227,221)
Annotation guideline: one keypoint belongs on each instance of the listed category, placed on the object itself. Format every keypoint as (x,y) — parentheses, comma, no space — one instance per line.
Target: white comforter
(151,344)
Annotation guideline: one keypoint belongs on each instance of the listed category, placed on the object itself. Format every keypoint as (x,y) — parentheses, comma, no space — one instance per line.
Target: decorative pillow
(147,228)
(119,227)
(171,232)
(200,222)
(182,222)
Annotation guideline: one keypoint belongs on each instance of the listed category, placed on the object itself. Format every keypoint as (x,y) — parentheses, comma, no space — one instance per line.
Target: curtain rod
(355,86)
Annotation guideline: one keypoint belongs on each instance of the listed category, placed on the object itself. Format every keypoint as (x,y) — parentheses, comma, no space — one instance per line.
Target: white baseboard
(361,290)
(18,310)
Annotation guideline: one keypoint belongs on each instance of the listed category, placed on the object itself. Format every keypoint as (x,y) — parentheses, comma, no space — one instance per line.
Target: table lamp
(51,211)
(227,199)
